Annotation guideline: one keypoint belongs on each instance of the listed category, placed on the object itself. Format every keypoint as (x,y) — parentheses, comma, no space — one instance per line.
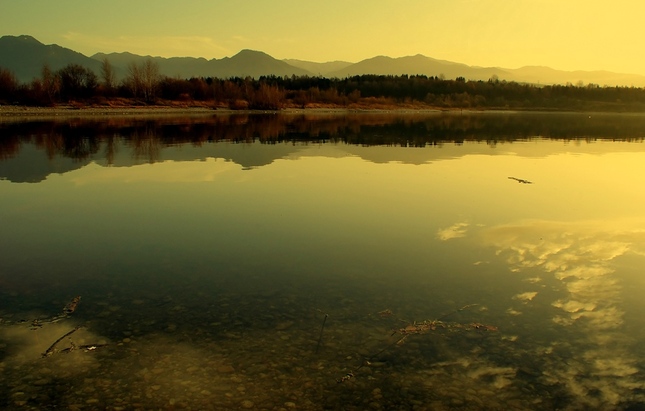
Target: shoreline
(66,111)
(62,112)
(10,112)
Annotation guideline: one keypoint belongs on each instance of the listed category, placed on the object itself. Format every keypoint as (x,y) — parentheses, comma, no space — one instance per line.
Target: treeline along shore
(78,86)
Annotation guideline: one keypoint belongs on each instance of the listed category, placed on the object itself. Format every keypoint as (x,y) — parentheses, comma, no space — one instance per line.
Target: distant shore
(9,111)
(66,111)
(16,113)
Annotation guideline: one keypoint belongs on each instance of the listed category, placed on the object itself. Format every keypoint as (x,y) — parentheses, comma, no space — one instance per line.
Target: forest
(78,86)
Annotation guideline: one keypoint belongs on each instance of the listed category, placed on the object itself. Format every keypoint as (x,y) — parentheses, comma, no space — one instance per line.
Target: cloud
(454,231)
(563,246)
(525,297)
(574,306)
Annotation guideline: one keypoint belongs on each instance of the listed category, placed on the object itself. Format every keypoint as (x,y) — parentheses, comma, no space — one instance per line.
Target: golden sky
(563,34)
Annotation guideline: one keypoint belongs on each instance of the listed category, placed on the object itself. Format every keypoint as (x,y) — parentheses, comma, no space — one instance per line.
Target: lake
(313,261)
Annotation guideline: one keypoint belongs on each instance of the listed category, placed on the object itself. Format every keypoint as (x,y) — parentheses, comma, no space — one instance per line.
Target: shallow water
(252,262)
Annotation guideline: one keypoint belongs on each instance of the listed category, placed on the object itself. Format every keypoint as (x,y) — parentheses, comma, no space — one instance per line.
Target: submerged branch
(52,347)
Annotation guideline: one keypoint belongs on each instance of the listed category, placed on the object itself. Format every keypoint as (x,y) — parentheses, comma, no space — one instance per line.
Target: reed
(322,329)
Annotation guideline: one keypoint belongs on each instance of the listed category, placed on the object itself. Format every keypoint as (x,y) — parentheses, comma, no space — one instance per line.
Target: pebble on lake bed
(284,325)
(226,369)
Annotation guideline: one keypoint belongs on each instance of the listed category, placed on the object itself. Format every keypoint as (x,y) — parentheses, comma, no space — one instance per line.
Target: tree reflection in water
(82,138)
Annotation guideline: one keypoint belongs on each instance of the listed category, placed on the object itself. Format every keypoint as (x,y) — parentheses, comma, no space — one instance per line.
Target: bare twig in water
(52,347)
(321,332)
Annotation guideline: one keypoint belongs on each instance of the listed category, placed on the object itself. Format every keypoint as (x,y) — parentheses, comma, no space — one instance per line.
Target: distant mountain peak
(252,53)
(22,38)
(254,56)
(25,56)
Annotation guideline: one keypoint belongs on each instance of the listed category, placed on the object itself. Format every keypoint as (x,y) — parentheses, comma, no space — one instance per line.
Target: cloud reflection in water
(581,257)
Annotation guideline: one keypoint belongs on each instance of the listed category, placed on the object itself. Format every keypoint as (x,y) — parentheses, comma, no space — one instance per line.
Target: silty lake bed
(347,261)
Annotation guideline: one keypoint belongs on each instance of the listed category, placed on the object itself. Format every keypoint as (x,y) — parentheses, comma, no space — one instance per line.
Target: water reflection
(454,231)
(207,280)
(581,257)
(72,143)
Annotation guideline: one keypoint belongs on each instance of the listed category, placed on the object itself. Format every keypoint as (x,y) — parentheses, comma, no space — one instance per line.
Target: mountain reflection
(148,140)
(581,258)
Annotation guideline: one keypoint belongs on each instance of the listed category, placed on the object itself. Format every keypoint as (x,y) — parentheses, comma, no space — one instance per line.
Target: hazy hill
(25,57)
(547,75)
(319,69)
(418,64)
(171,67)
(245,63)
(255,64)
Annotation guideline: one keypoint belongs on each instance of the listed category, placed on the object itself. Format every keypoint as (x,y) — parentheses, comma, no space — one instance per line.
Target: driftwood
(68,310)
(52,347)
(73,347)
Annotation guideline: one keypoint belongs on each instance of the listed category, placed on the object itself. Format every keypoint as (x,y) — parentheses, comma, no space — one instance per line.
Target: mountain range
(25,56)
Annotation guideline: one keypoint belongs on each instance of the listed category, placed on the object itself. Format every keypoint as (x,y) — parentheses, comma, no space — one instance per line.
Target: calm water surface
(253,262)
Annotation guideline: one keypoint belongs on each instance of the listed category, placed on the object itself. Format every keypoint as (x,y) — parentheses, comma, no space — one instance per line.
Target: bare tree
(133,81)
(150,77)
(50,84)
(143,79)
(107,74)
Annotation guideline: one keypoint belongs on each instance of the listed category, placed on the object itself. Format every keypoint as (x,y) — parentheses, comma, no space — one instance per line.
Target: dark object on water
(522,181)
